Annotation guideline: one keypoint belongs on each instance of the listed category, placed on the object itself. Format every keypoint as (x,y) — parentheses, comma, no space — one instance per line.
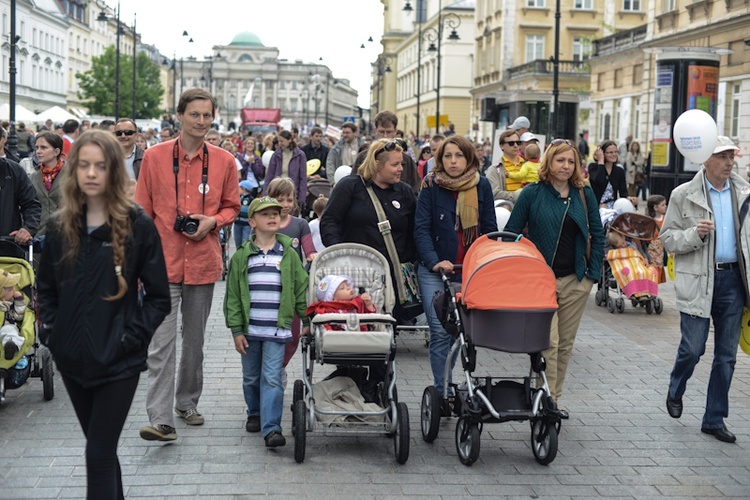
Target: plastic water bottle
(352,322)
(22,363)
(19,374)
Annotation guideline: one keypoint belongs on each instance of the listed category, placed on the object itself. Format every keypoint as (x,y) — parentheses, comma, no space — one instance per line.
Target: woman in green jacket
(561,224)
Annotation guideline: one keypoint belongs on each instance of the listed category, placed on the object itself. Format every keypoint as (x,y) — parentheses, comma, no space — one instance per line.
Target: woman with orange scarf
(49,148)
(455,207)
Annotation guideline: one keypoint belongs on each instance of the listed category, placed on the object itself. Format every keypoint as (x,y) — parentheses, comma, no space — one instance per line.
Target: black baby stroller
(507,302)
(31,360)
(315,189)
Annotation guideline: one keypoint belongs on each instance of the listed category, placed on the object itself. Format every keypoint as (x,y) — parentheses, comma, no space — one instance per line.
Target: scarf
(467,205)
(49,174)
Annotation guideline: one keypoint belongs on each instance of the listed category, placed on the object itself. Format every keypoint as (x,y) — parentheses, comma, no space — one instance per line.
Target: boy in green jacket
(266,285)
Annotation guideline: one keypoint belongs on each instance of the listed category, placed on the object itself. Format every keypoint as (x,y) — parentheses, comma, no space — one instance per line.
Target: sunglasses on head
(390,146)
(557,142)
(512,143)
(118,133)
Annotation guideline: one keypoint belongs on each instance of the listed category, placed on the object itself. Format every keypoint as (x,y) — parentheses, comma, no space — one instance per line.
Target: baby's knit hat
(328,286)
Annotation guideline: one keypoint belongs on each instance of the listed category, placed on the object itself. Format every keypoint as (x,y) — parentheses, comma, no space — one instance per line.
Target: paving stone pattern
(618,443)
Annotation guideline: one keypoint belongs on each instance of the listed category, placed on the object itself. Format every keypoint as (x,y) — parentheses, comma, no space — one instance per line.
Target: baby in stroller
(336,294)
(13,305)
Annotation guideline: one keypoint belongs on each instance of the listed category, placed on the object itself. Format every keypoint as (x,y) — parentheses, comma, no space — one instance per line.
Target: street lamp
(555,76)
(421,14)
(135,67)
(453,22)
(104,17)
(382,66)
(12,137)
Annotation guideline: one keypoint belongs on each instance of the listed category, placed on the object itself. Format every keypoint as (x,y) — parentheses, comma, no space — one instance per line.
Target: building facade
(41,56)
(245,73)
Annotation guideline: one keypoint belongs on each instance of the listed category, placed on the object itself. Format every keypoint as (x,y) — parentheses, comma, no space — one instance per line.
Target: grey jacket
(50,200)
(496,175)
(334,158)
(694,260)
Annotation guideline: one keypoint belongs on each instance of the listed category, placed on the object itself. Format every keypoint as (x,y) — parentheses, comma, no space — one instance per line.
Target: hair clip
(118,270)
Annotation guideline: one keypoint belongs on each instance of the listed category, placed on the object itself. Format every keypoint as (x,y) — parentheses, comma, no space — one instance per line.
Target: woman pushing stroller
(563,219)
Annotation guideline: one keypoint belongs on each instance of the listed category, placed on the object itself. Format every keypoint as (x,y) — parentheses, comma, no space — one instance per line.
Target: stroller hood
(635,226)
(507,275)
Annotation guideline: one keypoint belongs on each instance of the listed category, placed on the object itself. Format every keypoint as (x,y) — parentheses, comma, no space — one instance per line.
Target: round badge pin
(203,188)
(396,204)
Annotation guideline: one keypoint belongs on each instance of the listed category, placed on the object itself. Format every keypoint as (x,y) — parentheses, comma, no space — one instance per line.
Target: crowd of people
(132,225)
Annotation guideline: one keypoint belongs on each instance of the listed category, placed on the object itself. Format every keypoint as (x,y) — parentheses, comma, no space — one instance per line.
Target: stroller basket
(509,330)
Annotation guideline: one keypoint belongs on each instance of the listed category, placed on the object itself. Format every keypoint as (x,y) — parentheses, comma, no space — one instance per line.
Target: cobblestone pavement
(619,441)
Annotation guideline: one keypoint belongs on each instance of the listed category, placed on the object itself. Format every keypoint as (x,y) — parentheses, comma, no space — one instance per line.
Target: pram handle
(504,234)
(444,275)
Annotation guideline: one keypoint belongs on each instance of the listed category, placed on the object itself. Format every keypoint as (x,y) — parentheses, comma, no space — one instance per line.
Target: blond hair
(374,160)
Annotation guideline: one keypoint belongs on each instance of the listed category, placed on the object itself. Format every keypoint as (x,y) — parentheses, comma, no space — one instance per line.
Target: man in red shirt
(206,198)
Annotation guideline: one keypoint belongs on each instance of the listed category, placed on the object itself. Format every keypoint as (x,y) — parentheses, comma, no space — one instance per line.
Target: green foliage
(97,85)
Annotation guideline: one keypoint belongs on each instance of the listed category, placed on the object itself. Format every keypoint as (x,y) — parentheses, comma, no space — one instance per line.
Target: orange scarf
(49,174)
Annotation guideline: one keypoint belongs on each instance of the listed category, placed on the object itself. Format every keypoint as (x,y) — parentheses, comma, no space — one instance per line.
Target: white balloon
(266,158)
(695,135)
(623,205)
(502,215)
(341,172)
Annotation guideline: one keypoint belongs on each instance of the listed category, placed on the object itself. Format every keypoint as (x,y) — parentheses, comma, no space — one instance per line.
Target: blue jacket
(434,225)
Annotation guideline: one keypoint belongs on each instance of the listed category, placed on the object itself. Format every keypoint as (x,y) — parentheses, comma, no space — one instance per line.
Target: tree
(97,85)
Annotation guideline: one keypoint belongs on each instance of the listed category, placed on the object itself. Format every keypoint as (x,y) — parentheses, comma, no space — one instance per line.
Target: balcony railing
(619,41)
(545,66)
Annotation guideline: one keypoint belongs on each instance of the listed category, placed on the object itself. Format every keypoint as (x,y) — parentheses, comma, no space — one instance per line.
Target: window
(5,25)
(734,125)
(631,5)
(534,47)
(618,115)
(738,52)
(669,5)
(33,37)
(600,81)
(637,74)
(538,4)
(637,117)
(581,48)
(583,4)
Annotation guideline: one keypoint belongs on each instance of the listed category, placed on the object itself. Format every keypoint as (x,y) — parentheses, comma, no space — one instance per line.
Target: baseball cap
(528,136)
(246,185)
(7,279)
(262,203)
(520,122)
(328,286)
(724,143)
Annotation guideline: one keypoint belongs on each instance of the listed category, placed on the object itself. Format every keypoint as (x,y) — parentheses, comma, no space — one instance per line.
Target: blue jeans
(440,340)
(261,383)
(726,311)
(241,234)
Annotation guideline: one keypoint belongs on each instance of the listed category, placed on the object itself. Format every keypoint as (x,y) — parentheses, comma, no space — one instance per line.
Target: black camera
(186,224)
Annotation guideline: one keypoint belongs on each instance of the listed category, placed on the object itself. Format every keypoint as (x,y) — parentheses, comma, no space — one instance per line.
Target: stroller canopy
(507,275)
(635,226)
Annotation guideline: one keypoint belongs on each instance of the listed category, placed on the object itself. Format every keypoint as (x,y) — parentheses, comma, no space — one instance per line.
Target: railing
(619,41)
(545,66)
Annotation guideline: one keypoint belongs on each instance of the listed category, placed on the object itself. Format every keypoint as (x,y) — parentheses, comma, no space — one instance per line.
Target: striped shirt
(264,280)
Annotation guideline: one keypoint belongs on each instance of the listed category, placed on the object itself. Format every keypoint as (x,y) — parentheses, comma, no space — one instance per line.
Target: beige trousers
(571,299)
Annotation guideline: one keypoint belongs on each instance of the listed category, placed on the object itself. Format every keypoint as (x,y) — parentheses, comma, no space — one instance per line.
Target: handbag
(409,304)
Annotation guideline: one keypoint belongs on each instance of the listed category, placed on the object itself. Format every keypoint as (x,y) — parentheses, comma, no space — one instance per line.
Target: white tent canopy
(22,113)
(56,114)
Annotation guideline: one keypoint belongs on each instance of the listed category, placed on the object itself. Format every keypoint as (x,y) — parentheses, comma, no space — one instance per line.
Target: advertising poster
(703,88)
(660,154)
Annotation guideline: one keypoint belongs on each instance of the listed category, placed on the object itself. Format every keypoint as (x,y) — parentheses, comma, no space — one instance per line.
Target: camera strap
(176,170)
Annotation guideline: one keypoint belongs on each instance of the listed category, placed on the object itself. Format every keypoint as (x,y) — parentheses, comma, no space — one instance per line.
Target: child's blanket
(635,277)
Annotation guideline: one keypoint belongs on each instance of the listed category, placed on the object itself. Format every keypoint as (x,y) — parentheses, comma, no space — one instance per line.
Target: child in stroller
(626,268)
(336,294)
(13,305)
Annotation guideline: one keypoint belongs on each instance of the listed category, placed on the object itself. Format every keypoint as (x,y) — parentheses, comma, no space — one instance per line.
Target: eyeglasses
(512,143)
(557,142)
(118,133)
(390,146)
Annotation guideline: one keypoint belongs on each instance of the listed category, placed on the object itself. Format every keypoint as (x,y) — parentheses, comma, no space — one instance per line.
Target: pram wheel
(599,297)
(298,394)
(620,305)
(658,305)
(430,411)
(649,307)
(611,305)
(299,428)
(48,375)
(543,441)
(401,436)
(634,302)
(467,440)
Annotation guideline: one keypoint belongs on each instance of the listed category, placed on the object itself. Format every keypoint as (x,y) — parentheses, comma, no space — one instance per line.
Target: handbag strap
(384,226)
(586,211)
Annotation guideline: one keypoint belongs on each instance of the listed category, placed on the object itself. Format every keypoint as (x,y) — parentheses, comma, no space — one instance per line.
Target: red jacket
(356,305)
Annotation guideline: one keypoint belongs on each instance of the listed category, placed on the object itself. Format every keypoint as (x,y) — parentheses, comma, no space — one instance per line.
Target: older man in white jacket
(711,246)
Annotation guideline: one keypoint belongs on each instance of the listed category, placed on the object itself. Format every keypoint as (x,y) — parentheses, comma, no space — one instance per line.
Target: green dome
(247,39)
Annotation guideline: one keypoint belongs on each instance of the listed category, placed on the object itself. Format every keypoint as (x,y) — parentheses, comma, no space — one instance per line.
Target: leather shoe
(674,407)
(722,434)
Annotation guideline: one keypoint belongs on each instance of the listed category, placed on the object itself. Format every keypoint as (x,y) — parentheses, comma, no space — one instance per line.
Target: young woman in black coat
(607,177)
(99,246)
